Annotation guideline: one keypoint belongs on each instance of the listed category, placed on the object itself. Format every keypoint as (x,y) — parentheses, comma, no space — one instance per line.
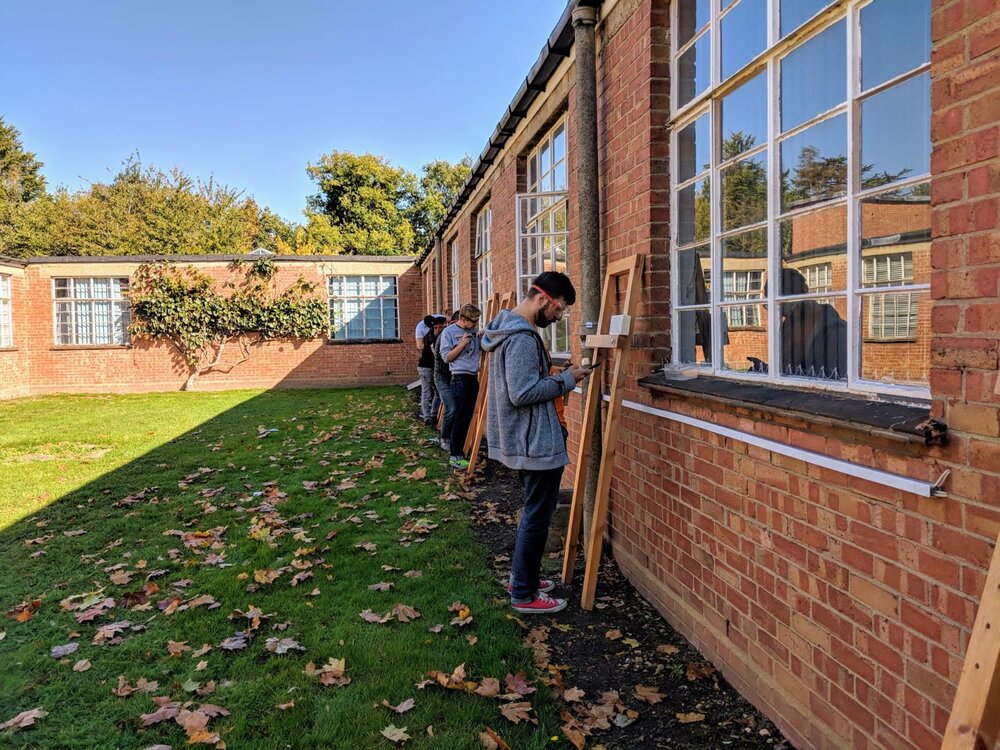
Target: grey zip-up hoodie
(522,427)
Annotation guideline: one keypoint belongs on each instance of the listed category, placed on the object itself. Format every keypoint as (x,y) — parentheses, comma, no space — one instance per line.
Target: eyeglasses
(561,307)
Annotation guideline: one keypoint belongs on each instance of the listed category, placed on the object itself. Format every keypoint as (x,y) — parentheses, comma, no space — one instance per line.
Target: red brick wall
(14,362)
(155,365)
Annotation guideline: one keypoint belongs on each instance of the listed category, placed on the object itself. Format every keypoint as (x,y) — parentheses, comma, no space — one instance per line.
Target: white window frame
(545,201)
(453,249)
(69,307)
(484,257)
(709,101)
(6,312)
(336,302)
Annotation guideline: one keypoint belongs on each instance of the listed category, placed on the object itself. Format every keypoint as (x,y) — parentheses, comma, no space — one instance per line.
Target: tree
(367,200)
(21,182)
(184,307)
(439,187)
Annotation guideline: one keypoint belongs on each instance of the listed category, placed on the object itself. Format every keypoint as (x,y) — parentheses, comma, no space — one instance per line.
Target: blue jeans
(428,398)
(541,493)
(444,392)
(464,389)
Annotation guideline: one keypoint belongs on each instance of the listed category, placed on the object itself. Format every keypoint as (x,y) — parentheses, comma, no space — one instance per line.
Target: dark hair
(554,284)
(440,320)
(454,316)
(429,321)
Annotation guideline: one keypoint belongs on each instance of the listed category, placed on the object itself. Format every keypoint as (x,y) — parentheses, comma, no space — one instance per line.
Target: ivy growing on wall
(186,307)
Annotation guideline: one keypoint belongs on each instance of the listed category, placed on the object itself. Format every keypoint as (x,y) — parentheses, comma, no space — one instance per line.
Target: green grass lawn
(181,521)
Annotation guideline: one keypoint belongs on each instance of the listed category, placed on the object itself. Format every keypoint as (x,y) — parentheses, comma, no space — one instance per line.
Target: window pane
(814,77)
(813,339)
(544,165)
(81,288)
(84,322)
(744,118)
(810,240)
(814,164)
(744,340)
(694,71)
(693,271)
(796,12)
(896,133)
(694,336)
(389,319)
(895,38)
(61,287)
(559,144)
(744,192)
(693,220)
(895,337)
(693,149)
(102,288)
(744,35)
(896,224)
(744,264)
(64,323)
(691,16)
(351,286)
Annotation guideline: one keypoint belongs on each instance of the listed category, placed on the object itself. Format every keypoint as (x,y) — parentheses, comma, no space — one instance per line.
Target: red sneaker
(545,585)
(542,604)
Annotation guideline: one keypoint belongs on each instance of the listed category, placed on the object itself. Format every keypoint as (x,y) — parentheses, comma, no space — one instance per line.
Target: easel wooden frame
(975,714)
(474,439)
(629,269)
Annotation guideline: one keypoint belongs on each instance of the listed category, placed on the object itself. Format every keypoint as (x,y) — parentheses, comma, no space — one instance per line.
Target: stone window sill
(80,347)
(352,342)
(899,422)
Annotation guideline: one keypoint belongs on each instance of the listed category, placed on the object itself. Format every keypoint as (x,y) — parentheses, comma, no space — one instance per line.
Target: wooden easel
(629,271)
(474,439)
(975,714)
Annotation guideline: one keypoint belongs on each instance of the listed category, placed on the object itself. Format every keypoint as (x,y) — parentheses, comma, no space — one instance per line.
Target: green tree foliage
(366,206)
(146,211)
(184,306)
(21,182)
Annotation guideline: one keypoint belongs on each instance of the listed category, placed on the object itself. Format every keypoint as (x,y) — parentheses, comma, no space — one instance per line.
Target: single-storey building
(807,483)
(64,327)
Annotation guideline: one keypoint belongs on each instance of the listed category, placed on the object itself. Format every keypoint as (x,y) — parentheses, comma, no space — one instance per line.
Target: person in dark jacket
(523,428)
(442,384)
(425,366)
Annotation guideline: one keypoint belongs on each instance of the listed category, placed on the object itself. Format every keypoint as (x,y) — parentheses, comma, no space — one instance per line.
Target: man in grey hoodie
(523,428)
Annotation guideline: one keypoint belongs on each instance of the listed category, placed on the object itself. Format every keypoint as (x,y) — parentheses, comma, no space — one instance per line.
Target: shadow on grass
(281,515)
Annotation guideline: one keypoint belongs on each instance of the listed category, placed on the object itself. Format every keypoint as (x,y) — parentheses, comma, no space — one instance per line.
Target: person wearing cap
(429,399)
(460,348)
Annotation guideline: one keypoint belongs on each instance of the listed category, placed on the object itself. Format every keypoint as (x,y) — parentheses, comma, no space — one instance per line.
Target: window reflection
(744,341)
(815,245)
(691,16)
(796,12)
(744,192)
(694,70)
(814,77)
(744,35)
(895,38)
(896,133)
(693,218)
(744,117)
(896,224)
(693,149)
(813,333)
(694,337)
(814,164)
(694,272)
(895,337)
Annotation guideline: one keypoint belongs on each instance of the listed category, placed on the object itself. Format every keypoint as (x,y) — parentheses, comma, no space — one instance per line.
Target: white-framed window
(542,229)
(454,275)
(6,312)
(892,316)
(800,149)
(484,258)
(363,307)
(91,311)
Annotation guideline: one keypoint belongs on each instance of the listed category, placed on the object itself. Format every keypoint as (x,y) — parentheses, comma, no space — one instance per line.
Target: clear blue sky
(250,91)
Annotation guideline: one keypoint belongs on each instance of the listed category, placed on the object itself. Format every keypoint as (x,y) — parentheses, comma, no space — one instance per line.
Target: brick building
(64,321)
(790,520)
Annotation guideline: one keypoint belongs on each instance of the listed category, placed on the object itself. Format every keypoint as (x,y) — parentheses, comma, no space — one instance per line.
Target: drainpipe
(584,21)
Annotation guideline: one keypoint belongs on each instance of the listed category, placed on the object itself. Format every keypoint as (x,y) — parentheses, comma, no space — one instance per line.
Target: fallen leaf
(402,708)
(631,642)
(201,666)
(573,694)
(492,741)
(519,684)
(472,640)
(236,642)
(395,734)
(489,687)
(59,652)
(285,706)
(648,694)
(24,611)
(518,712)
(81,666)
(688,718)
(699,670)
(613,635)
(666,648)
(405,613)
(205,648)
(24,719)
(282,646)
(383,586)
(176,648)
(413,574)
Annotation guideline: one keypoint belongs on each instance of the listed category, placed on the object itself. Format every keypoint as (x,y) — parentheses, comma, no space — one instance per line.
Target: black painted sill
(900,421)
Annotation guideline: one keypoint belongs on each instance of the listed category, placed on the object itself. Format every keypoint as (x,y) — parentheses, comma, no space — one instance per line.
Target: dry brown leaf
(473,640)
(23,719)
(613,635)
(489,687)
(648,694)
(666,648)
(519,684)
(405,613)
(395,734)
(382,586)
(518,712)
(286,706)
(402,708)
(573,694)
(81,666)
(492,741)
(176,648)
(698,670)
(691,717)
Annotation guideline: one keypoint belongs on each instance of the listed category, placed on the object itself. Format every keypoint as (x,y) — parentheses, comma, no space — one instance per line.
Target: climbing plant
(187,308)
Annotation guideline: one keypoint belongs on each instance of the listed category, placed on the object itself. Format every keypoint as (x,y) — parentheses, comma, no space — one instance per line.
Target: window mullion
(773,236)
(715,223)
